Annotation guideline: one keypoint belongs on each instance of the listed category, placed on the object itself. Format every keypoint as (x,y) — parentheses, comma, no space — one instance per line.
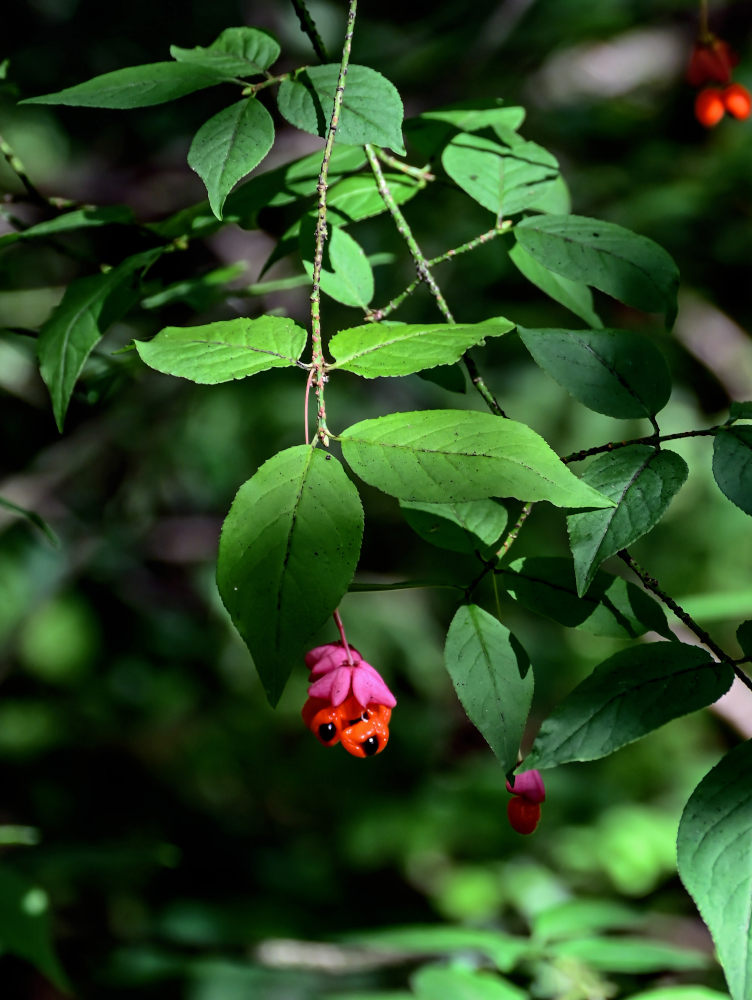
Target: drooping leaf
(504,950)
(631,268)
(495,176)
(36,519)
(236,52)
(376,350)
(199,293)
(642,482)
(79,218)
(135,86)
(492,677)
(715,862)
(26,926)
(732,465)
(346,275)
(288,550)
(573,295)
(371,111)
(441,982)
(611,606)
(617,372)
(88,307)
(438,456)
(459,527)
(630,694)
(229,146)
(223,351)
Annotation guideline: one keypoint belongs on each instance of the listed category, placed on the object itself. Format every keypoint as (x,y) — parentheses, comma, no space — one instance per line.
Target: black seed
(327,732)
(370,746)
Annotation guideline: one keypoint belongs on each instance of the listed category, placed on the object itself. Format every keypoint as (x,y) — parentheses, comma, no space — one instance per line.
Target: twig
(420,173)
(309,28)
(15,164)
(317,358)
(651,584)
(653,439)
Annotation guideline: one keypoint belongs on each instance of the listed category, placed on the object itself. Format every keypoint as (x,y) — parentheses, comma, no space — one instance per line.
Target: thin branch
(317,358)
(651,584)
(652,439)
(420,173)
(15,164)
(309,28)
(515,530)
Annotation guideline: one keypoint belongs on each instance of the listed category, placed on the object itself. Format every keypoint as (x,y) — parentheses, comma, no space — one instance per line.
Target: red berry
(709,107)
(523,815)
(737,101)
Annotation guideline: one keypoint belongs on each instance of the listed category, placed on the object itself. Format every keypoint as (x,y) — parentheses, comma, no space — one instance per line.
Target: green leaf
(26,926)
(236,52)
(199,293)
(617,372)
(80,218)
(744,637)
(642,481)
(460,527)
(473,115)
(350,280)
(288,550)
(740,411)
(441,982)
(715,862)
(679,993)
(229,349)
(496,176)
(134,87)
(732,465)
(375,350)
(631,268)
(504,950)
(630,694)
(371,110)
(439,456)
(577,917)
(573,295)
(67,338)
(492,677)
(611,607)
(229,146)
(631,955)
(30,516)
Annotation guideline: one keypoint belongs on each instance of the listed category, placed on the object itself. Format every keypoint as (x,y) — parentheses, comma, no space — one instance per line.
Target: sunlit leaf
(441,982)
(236,52)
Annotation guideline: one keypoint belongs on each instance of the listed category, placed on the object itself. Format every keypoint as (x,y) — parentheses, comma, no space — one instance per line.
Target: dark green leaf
(492,677)
(449,377)
(744,637)
(732,465)
(80,218)
(495,176)
(740,411)
(611,606)
(26,926)
(459,527)
(628,695)
(229,349)
(715,862)
(371,111)
(229,146)
(631,955)
(237,52)
(287,553)
(67,338)
(631,268)
(573,295)
(199,293)
(376,349)
(438,456)
(617,372)
(642,481)
(441,982)
(134,87)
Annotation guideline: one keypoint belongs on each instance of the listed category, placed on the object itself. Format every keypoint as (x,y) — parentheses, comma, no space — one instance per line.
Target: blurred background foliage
(191,840)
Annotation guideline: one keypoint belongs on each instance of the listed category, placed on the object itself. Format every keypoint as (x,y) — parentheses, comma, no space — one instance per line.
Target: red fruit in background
(709,107)
(523,815)
(711,62)
(737,100)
